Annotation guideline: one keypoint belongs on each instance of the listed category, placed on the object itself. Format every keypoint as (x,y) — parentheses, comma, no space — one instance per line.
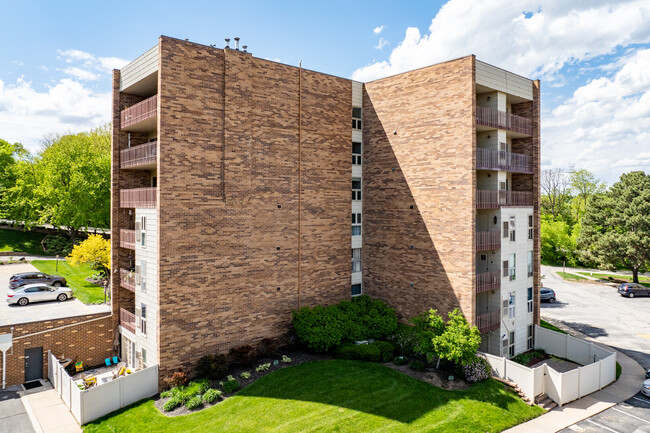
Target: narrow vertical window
(356,189)
(530,263)
(356,259)
(529,300)
(356,224)
(356,118)
(356,153)
(356,289)
(530,227)
(529,338)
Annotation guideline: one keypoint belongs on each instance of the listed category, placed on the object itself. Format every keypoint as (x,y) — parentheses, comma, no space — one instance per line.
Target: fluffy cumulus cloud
(378,30)
(87,65)
(525,36)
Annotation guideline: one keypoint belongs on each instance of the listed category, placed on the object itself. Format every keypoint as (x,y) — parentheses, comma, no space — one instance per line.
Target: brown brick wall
(229,198)
(429,165)
(88,342)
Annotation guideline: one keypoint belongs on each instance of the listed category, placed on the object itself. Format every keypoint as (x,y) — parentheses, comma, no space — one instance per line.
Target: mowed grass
(547,325)
(76,277)
(22,241)
(628,278)
(341,396)
(570,277)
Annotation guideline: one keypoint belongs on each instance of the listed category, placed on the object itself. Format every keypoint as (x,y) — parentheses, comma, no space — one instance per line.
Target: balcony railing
(486,281)
(127,280)
(127,320)
(492,118)
(493,159)
(488,241)
(139,112)
(493,199)
(127,239)
(138,198)
(488,322)
(139,155)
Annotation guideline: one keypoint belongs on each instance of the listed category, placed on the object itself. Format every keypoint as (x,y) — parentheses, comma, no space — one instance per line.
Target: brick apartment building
(244,188)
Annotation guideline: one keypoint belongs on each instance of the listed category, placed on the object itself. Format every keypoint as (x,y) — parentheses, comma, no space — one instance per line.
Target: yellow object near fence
(79,366)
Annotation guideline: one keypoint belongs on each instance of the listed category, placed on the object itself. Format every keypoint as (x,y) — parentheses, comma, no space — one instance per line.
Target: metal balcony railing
(127,280)
(139,112)
(486,281)
(127,239)
(139,155)
(488,241)
(488,322)
(493,199)
(493,159)
(138,198)
(492,118)
(127,320)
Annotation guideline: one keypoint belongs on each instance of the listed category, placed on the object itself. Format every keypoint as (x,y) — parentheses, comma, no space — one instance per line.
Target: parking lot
(632,415)
(14,314)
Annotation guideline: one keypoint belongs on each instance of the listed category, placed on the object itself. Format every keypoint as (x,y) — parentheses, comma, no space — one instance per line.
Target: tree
(558,241)
(616,225)
(555,191)
(584,184)
(459,341)
(9,156)
(427,326)
(95,251)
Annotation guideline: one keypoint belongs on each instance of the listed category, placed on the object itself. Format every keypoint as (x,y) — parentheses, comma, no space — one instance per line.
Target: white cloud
(87,64)
(81,74)
(381,44)
(378,30)
(502,33)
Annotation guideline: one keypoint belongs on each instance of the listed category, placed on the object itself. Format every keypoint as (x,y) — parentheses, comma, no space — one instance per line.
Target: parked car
(631,290)
(645,389)
(647,373)
(25,278)
(546,294)
(23,295)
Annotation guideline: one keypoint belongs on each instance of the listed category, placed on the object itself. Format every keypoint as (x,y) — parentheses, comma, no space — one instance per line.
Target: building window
(505,268)
(512,229)
(143,319)
(144,358)
(356,118)
(511,306)
(356,224)
(356,189)
(356,259)
(506,231)
(529,300)
(143,230)
(530,227)
(356,153)
(356,289)
(529,339)
(512,270)
(142,269)
(511,344)
(530,263)
(504,307)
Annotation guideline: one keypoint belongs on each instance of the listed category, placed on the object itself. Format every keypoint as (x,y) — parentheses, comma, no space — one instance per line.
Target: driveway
(14,314)
(596,310)
(632,415)
(13,416)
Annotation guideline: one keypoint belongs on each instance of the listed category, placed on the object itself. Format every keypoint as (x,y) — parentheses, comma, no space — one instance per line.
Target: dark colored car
(18,280)
(647,373)
(546,294)
(631,290)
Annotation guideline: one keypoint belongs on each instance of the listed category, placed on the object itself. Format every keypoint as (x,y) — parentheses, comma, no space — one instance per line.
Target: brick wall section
(429,164)
(88,342)
(228,198)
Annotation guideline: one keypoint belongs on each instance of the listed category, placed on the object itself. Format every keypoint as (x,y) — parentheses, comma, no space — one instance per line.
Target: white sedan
(38,293)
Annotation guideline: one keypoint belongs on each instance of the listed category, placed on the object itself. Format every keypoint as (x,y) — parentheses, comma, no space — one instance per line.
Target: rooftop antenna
(227,42)
(237,44)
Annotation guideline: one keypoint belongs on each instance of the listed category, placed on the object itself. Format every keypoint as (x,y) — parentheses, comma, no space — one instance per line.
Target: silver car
(38,293)
(646,387)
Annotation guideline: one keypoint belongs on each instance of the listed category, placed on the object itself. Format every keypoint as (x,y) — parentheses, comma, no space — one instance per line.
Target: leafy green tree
(95,250)
(459,341)
(584,185)
(555,192)
(427,326)
(9,155)
(616,226)
(558,241)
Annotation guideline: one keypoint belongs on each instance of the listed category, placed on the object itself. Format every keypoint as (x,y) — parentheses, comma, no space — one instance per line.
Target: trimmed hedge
(324,328)
(373,352)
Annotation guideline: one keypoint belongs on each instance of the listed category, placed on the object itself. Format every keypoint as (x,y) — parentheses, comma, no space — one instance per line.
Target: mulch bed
(538,359)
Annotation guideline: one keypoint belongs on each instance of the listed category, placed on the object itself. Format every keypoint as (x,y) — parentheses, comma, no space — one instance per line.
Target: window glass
(356,289)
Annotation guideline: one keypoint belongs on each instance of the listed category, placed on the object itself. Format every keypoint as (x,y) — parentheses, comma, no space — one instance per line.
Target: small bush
(166,394)
(405,340)
(477,369)
(268,347)
(243,356)
(387,357)
(285,359)
(400,360)
(526,357)
(245,375)
(172,404)
(196,387)
(211,395)
(57,244)
(230,386)
(361,352)
(212,367)
(177,379)
(417,365)
(263,367)
(194,403)
(319,328)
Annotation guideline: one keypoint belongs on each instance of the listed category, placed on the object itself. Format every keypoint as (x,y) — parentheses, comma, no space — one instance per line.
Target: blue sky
(592,57)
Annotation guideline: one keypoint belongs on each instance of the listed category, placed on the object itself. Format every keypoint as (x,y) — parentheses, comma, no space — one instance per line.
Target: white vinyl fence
(103,398)
(598,368)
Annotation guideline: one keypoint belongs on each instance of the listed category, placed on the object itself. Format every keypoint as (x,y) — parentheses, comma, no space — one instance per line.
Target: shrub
(286,359)
(268,347)
(263,367)
(404,339)
(417,365)
(172,404)
(57,244)
(400,360)
(211,395)
(177,379)
(212,367)
(526,357)
(196,387)
(194,402)
(246,375)
(243,356)
(319,328)
(230,385)
(375,317)
(166,394)
(387,357)
(477,369)
(361,352)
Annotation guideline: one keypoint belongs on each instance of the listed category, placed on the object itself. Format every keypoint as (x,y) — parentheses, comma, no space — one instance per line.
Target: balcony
(486,281)
(127,280)
(138,198)
(493,199)
(488,241)
(493,159)
(127,320)
(127,239)
(488,322)
(142,157)
(486,116)
(140,117)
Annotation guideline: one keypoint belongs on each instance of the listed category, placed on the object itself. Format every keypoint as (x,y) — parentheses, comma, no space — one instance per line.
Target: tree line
(585,223)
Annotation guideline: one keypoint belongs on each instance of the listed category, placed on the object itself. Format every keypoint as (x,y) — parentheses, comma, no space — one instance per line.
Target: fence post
(600,376)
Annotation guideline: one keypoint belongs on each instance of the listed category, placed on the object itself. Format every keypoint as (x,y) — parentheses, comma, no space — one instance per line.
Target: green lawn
(22,241)
(570,277)
(341,396)
(547,325)
(643,280)
(76,276)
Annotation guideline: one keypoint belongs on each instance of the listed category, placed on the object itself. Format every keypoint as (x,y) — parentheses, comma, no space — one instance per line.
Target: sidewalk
(47,411)
(626,386)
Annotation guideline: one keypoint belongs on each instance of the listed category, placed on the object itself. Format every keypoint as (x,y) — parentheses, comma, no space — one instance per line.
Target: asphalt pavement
(13,415)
